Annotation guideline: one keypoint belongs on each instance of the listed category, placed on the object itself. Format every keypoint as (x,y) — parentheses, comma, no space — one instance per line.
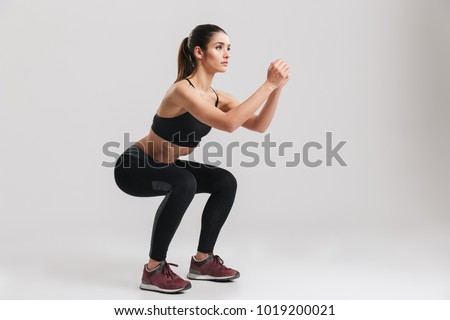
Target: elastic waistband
(135,151)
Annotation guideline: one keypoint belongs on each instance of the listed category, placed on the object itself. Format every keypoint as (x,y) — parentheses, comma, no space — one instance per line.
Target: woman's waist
(162,151)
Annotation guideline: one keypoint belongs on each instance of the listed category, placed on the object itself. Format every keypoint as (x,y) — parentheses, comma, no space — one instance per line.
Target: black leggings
(139,175)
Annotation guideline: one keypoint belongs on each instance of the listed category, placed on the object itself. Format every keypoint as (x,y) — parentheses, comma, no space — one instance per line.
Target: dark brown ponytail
(186,61)
(200,36)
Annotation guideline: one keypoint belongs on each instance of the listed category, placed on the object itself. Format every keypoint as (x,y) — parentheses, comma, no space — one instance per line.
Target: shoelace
(167,271)
(219,260)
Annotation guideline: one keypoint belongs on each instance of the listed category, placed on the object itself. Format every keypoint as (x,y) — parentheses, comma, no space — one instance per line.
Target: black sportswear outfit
(183,130)
(138,174)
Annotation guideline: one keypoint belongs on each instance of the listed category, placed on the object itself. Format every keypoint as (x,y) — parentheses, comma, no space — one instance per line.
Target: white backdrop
(75,75)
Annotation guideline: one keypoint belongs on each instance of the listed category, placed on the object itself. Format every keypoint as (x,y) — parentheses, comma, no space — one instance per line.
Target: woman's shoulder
(178,89)
(178,85)
(181,90)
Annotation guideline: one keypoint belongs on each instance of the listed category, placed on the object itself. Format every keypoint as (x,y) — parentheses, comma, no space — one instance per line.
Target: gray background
(75,75)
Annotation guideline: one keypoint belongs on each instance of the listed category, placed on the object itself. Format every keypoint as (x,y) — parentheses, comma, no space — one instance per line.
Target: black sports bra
(183,130)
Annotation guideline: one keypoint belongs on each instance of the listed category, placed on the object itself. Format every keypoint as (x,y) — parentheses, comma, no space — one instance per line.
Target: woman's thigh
(139,178)
(209,178)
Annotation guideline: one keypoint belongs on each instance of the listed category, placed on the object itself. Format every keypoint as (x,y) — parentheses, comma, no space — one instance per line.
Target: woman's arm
(184,95)
(260,122)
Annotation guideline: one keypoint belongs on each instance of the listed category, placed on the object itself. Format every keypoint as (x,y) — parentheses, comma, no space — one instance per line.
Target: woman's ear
(198,53)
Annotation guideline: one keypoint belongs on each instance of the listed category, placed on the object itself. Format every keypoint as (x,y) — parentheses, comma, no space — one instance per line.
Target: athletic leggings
(139,175)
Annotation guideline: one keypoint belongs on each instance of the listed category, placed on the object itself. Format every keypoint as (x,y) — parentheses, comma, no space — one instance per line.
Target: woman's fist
(278,74)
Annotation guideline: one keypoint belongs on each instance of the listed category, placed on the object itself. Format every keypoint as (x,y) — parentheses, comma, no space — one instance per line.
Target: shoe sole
(150,287)
(193,276)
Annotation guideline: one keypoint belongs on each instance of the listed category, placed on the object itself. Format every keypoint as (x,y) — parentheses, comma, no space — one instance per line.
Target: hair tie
(189,43)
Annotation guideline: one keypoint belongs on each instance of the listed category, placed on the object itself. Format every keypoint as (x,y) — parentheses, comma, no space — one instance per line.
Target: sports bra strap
(217,100)
(190,82)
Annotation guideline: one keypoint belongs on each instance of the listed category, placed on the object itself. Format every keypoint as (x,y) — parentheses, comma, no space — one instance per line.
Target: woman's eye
(219,47)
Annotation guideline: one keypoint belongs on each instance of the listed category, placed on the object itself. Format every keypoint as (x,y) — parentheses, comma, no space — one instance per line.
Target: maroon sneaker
(163,279)
(212,268)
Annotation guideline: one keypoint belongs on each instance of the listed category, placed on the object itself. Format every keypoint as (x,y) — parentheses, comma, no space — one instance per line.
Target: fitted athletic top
(183,130)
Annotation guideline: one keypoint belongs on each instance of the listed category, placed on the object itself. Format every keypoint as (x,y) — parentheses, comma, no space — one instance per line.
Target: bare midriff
(161,150)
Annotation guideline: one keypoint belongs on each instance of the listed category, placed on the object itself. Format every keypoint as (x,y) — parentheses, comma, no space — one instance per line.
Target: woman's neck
(201,79)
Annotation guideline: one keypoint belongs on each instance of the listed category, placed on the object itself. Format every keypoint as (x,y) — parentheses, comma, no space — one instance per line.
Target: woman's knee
(185,182)
(227,181)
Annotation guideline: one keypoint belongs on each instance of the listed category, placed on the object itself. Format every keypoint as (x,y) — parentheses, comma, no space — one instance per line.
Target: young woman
(187,112)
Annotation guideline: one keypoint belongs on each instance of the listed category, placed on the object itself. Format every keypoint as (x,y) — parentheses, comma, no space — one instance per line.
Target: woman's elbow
(230,126)
(260,129)
(227,127)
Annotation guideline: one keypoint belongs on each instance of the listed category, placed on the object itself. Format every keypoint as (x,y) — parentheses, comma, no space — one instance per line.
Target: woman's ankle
(201,256)
(153,264)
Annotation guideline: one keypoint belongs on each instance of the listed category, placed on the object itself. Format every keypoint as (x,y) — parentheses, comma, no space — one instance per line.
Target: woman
(151,166)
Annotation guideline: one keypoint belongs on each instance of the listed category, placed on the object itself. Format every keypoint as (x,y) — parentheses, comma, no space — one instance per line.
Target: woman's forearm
(264,118)
(240,114)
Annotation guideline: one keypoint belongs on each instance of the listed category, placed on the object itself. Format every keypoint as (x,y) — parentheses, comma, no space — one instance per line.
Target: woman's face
(217,53)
